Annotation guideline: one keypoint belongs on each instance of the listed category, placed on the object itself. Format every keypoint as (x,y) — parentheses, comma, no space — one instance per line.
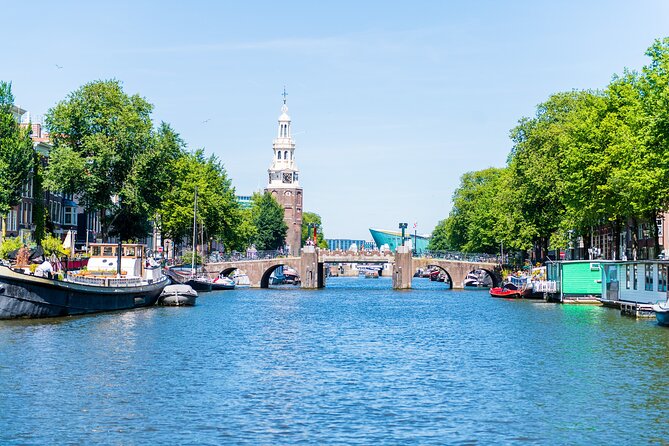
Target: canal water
(355,363)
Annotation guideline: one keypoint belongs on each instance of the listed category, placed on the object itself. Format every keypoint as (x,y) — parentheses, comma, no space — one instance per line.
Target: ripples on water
(352,364)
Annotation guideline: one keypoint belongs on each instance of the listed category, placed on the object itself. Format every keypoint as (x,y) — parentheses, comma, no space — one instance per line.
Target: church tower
(284,182)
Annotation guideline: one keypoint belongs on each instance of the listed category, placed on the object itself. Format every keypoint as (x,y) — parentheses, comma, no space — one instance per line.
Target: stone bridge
(310,266)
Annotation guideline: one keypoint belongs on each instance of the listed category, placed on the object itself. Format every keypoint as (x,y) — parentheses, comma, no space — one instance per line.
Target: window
(649,278)
(285,155)
(68,216)
(287,177)
(636,276)
(107,251)
(661,278)
(12,220)
(627,277)
(279,154)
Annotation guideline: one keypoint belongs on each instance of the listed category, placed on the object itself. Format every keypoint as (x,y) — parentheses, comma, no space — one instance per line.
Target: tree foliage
(471,223)
(313,218)
(100,134)
(218,212)
(271,229)
(16,152)
(586,159)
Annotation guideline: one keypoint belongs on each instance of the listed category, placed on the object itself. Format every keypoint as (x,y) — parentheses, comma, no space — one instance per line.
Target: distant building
(394,239)
(244,201)
(284,182)
(60,209)
(344,244)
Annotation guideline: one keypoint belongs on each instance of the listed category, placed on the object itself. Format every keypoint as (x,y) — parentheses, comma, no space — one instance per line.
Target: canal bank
(353,363)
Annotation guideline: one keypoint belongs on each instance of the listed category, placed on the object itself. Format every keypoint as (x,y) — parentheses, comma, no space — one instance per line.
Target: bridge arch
(227,271)
(264,279)
(496,280)
(448,275)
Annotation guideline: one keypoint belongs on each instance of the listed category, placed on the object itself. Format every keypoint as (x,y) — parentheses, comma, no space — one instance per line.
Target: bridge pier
(402,269)
(311,271)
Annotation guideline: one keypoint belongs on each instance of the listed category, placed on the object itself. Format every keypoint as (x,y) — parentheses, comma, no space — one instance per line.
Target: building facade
(60,209)
(283,181)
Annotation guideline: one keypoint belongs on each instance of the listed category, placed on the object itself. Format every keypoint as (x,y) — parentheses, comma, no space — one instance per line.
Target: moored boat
(508,290)
(100,288)
(477,279)
(199,283)
(371,274)
(662,313)
(290,276)
(240,278)
(222,283)
(177,296)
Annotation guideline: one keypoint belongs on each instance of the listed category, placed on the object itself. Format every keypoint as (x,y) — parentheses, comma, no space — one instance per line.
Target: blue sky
(391,101)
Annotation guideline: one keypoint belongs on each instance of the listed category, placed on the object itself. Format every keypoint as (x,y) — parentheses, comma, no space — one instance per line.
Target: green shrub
(188,258)
(9,245)
(53,245)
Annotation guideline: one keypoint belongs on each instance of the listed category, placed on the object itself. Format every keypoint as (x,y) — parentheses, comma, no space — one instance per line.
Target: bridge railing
(235,256)
(342,253)
(456,255)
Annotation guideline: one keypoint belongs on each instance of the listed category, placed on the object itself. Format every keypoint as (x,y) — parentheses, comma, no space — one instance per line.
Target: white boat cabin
(104,258)
(642,282)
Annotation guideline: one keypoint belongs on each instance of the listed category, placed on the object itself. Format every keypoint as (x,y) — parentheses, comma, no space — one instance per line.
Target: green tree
(271,229)
(470,226)
(98,133)
(313,218)
(218,212)
(246,232)
(16,152)
(440,239)
(39,214)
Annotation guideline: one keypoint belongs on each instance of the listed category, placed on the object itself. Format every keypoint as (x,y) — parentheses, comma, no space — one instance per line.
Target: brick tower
(284,182)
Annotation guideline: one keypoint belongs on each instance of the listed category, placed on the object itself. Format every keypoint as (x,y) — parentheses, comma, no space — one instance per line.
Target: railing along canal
(273,254)
(461,256)
(245,256)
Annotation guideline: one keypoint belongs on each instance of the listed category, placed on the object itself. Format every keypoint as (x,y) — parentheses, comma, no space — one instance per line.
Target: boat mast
(192,263)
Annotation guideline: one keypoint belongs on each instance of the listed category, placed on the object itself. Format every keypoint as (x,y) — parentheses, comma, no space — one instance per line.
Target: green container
(581,278)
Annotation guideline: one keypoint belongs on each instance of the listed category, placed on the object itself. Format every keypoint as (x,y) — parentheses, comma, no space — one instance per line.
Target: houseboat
(116,278)
(574,281)
(634,286)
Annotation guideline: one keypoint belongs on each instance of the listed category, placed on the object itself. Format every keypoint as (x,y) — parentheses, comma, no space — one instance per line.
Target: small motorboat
(290,276)
(240,278)
(661,310)
(477,279)
(437,275)
(371,274)
(508,290)
(222,283)
(177,296)
(199,283)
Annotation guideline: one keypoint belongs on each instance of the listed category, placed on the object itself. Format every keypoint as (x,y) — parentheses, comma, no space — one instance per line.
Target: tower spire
(284,94)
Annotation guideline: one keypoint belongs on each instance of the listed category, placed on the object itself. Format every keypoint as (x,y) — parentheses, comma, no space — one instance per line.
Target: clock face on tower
(287,177)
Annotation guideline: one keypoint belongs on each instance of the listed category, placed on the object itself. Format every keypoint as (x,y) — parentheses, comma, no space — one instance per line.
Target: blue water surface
(355,363)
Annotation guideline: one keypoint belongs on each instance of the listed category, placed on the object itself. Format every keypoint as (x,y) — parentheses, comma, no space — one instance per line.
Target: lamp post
(403,227)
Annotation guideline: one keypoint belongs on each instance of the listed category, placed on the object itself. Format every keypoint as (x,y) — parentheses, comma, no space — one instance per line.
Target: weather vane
(284,94)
